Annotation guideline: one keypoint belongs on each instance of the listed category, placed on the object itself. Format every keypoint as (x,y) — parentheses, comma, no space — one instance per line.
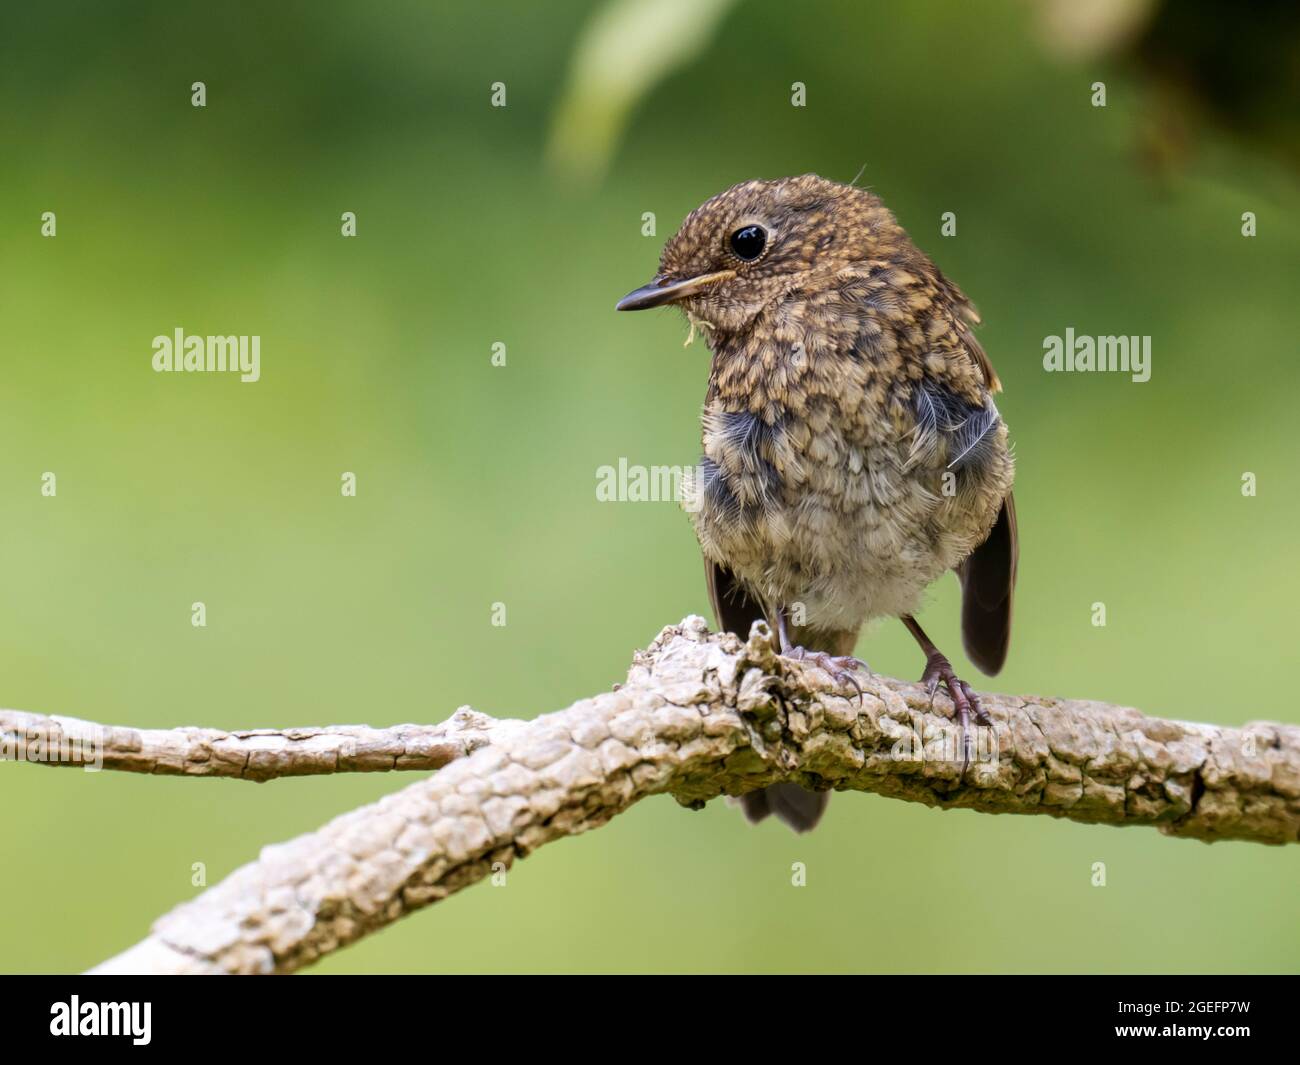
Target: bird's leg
(838,666)
(964,700)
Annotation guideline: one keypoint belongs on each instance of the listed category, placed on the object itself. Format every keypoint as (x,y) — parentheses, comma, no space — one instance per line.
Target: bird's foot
(840,667)
(965,702)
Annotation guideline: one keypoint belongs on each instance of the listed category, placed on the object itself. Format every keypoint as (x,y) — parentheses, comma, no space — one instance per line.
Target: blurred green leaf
(627,48)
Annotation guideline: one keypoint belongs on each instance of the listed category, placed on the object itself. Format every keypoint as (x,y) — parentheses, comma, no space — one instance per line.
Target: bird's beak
(661,290)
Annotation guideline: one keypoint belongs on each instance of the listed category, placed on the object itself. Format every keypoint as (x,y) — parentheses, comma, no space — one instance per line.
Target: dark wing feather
(733,608)
(967,430)
(988,576)
(988,582)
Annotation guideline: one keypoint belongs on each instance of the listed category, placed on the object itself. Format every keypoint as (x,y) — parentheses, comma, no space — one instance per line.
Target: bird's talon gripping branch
(965,701)
(839,667)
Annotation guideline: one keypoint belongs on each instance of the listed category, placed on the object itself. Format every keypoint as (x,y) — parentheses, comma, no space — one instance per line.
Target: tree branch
(701,716)
(254,754)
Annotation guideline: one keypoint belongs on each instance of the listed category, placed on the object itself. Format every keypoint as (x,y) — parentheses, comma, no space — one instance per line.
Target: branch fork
(700,715)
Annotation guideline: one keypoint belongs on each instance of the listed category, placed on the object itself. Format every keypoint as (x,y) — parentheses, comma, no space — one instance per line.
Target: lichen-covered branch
(253,754)
(701,716)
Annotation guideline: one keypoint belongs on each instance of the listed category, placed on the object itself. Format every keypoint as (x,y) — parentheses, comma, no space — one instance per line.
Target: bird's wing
(988,575)
(966,317)
(950,425)
(988,582)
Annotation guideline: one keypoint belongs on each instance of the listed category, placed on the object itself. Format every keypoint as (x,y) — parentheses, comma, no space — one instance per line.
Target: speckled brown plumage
(853,452)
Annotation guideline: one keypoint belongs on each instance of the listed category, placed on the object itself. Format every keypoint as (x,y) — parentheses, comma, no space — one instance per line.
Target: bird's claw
(965,701)
(837,666)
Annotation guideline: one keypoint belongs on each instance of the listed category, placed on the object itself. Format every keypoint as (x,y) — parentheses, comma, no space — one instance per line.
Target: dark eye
(748,242)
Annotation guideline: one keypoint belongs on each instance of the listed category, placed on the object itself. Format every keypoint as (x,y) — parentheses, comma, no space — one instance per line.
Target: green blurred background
(477,484)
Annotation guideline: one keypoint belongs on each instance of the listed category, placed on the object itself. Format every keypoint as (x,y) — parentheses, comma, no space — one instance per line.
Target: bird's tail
(797,807)
(789,803)
(988,584)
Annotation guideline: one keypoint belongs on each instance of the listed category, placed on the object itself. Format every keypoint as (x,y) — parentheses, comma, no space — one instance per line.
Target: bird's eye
(748,242)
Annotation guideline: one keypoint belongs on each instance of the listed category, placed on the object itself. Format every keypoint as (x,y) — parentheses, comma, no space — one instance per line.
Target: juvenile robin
(852,449)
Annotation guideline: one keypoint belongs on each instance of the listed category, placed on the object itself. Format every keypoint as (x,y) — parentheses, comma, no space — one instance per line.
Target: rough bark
(701,716)
(253,754)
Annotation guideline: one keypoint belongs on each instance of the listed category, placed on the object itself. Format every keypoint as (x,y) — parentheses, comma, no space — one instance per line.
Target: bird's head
(761,240)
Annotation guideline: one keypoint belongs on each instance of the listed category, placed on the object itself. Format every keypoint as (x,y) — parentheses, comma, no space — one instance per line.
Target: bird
(852,449)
